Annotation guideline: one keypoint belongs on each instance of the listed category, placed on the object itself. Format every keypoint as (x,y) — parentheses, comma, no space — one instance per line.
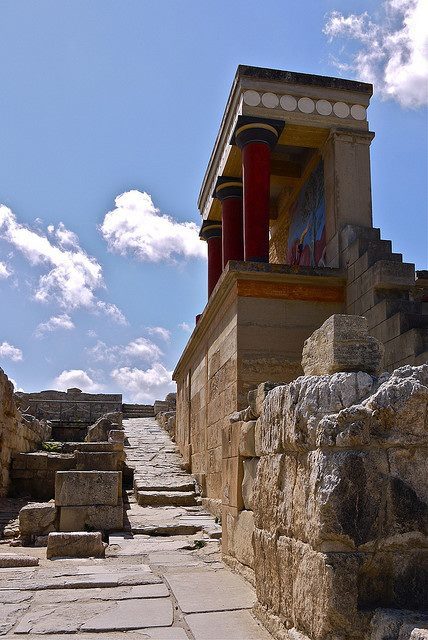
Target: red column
(211,232)
(256,138)
(229,192)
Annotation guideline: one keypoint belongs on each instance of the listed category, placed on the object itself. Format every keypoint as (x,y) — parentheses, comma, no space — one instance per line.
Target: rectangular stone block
(232,476)
(75,545)
(97,461)
(243,532)
(100,518)
(231,434)
(78,488)
(342,343)
(246,440)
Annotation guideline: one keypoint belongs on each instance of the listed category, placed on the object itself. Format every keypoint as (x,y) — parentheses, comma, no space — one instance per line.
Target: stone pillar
(256,138)
(229,192)
(211,233)
(347,186)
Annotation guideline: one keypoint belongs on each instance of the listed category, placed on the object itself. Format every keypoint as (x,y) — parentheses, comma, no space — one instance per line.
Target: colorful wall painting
(306,236)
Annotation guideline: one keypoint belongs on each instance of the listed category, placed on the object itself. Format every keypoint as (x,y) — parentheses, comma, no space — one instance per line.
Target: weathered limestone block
(248,483)
(391,624)
(246,440)
(342,343)
(257,396)
(75,545)
(116,436)
(400,406)
(78,488)
(231,436)
(325,591)
(394,579)
(11,560)
(338,500)
(292,413)
(266,493)
(267,570)
(232,476)
(98,461)
(99,431)
(17,433)
(243,538)
(99,518)
(37,518)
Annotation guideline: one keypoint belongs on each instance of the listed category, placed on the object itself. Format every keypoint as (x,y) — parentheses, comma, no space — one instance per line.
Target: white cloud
(163,333)
(76,378)
(185,326)
(9,351)
(112,312)
(15,385)
(91,333)
(72,275)
(63,321)
(144,385)
(138,349)
(5,271)
(136,226)
(394,51)
(142,348)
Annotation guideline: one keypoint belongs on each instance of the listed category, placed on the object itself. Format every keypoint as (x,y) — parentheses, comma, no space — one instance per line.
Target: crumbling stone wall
(340,505)
(17,433)
(325,496)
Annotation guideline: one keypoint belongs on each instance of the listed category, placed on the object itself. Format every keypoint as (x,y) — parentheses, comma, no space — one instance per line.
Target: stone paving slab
(117,593)
(82,582)
(97,616)
(162,633)
(200,591)
(226,625)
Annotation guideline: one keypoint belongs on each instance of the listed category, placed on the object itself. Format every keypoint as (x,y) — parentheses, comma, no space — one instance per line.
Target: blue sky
(101,98)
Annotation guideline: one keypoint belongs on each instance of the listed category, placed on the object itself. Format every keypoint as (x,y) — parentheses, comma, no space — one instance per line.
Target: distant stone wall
(69,410)
(17,434)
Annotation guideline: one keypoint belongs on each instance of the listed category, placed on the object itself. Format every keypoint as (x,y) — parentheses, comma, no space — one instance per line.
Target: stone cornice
(304,99)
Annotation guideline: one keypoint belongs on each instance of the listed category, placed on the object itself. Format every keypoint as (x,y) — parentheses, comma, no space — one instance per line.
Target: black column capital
(227,187)
(210,229)
(251,129)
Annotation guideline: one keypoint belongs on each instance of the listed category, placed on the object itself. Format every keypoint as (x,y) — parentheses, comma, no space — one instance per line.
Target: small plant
(55,447)
(200,544)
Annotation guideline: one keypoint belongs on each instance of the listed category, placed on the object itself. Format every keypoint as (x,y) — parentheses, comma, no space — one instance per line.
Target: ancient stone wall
(17,433)
(326,476)
(70,412)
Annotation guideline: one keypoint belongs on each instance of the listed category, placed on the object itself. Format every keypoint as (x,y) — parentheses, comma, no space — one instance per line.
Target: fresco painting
(306,236)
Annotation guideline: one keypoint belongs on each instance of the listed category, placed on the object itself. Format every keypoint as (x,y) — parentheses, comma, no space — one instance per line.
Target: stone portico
(287,217)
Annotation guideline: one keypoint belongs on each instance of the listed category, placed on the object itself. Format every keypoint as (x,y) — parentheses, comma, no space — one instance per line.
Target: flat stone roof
(279,75)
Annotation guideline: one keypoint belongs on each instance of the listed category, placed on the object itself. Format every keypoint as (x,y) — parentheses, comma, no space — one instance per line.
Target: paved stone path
(161,579)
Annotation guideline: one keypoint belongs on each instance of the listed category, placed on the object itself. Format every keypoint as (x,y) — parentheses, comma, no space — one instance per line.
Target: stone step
(159,484)
(397,325)
(173,529)
(351,232)
(390,306)
(163,498)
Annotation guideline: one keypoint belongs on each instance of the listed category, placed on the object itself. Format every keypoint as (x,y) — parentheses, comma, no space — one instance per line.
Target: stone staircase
(137,411)
(164,499)
(389,293)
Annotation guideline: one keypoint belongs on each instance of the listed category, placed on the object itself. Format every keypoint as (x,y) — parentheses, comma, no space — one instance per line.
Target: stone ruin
(81,482)
(18,432)
(327,477)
